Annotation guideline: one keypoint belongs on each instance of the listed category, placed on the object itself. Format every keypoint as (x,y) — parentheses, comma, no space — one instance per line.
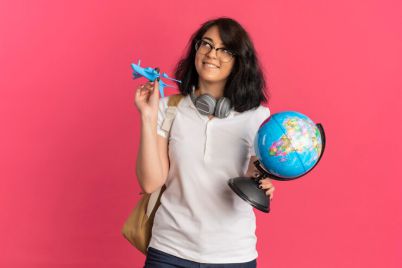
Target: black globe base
(247,189)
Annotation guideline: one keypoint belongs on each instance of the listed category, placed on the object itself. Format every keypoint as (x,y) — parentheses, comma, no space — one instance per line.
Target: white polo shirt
(200,218)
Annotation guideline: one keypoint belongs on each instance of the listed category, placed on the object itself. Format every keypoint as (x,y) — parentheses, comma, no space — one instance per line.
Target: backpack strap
(173,102)
(154,199)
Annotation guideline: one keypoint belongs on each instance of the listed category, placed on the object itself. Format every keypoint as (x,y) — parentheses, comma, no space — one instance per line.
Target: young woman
(200,219)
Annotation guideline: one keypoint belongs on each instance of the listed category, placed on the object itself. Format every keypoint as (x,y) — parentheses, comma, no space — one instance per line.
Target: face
(209,67)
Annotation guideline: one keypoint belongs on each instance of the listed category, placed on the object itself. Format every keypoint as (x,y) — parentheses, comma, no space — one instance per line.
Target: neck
(214,89)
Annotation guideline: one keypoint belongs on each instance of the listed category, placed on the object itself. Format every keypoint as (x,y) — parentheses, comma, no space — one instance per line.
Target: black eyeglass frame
(198,43)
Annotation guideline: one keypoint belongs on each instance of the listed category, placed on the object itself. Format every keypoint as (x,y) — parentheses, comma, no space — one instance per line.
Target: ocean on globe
(288,144)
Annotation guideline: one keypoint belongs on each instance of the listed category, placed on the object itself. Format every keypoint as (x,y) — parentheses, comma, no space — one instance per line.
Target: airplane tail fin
(170,78)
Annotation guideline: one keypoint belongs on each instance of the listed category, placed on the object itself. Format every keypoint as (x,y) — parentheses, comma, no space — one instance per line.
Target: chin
(209,79)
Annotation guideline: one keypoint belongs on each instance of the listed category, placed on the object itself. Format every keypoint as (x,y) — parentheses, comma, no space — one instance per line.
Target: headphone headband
(208,105)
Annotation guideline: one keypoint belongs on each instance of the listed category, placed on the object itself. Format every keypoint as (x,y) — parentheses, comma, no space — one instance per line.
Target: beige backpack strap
(174,100)
(154,199)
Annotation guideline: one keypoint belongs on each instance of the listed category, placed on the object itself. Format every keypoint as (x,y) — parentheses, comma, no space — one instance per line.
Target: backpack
(137,228)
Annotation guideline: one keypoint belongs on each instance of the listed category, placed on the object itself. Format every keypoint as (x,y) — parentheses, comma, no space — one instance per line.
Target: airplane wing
(151,74)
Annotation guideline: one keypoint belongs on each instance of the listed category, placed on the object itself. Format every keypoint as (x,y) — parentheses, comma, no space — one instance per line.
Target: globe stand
(247,188)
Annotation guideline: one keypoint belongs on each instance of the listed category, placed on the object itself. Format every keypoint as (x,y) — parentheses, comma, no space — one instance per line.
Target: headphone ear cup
(222,108)
(205,104)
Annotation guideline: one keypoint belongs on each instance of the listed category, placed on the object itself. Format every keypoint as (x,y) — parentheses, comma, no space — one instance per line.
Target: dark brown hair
(245,84)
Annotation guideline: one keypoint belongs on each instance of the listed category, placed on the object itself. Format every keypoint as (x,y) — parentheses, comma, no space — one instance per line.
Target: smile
(210,65)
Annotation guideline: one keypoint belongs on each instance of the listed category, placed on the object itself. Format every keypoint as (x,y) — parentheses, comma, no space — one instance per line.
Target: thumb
(155,92)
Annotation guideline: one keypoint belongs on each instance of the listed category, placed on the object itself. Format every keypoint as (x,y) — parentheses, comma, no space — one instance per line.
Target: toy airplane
(151,74)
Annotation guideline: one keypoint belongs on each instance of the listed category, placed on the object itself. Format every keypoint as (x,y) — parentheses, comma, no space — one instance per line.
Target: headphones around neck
(208,105)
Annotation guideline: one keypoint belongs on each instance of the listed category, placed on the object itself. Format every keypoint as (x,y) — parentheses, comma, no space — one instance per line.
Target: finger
(270,192)
(256,173)
(140,87)
(149,84)
(252,175)
(139,90)
(155,90)
(266,184)
(156,84)
(144,91)
(271,196)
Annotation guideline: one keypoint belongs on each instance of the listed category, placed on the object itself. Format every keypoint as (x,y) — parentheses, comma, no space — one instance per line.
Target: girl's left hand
(268,187)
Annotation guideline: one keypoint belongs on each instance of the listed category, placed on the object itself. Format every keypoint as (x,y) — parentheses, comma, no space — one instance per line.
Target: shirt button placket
(207,138)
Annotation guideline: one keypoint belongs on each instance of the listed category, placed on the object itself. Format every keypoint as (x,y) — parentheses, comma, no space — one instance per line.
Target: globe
(288,145)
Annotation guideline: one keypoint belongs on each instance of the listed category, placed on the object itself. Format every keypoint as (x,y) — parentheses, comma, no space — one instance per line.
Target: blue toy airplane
(151,74)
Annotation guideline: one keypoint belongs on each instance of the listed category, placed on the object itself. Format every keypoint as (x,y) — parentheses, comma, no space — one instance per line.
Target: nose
(212,53)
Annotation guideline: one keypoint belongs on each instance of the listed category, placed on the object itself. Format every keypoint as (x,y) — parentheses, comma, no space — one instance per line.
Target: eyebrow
(210,39)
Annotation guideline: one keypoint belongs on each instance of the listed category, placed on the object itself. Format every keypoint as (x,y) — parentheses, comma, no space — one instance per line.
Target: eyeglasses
(222,53)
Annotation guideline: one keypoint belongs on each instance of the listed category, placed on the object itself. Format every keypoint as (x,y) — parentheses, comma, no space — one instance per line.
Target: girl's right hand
(147,100)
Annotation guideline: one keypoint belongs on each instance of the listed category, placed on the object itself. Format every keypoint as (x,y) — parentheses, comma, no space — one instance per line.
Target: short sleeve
(261,114)
(163,104)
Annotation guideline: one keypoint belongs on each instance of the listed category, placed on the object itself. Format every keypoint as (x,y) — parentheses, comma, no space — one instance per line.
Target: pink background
(70,131)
